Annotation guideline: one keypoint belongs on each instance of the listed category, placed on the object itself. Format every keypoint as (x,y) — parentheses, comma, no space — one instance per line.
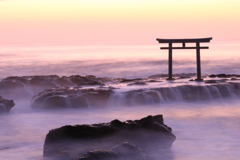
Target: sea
(205,129)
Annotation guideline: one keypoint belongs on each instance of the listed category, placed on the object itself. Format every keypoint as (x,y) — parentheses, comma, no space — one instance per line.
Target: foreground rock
(5,105)
(99,155)
(76,97)
(149,133)
(129,151)
(124,151)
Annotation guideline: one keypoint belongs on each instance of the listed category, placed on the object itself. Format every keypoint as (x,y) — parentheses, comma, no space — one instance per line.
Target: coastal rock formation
(138,83)
(223,75)
(214,89)
(139,97)
(5,105)
(129,151)
(26,86)
(123,151)
(149,133)
(99,155)
(75,97)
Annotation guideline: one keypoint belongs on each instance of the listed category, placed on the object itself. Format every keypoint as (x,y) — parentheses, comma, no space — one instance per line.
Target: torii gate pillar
(170,47)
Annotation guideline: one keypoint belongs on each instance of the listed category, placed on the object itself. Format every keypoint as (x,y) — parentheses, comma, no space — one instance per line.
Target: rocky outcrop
(223,75)
(99,155)
(141,97)
(27,86)
(129,151)
(214,89)
(149,133)
(176,75)
(138,83)
(123,151)
(75,97)
(5,105)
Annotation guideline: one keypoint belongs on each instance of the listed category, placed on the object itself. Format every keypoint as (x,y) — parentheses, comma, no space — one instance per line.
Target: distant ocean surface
(127,61)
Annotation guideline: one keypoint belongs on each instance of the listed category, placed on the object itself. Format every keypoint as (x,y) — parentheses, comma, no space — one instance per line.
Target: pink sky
(128,21)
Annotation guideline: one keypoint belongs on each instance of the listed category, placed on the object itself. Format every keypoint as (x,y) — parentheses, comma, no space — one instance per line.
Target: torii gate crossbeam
(170,47)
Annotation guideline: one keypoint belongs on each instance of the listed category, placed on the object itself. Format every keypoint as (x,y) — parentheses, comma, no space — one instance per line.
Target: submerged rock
(223,75)
(5,105)
(129,151)
(76,97)
(149,133)
(123,151)
(99,155)
(138,83)
(141,97)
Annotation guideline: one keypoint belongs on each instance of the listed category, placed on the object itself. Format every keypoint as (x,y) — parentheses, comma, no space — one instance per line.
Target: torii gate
(184,41)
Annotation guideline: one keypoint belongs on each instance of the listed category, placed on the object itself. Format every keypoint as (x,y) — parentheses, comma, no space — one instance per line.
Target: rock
(84,80)
(27,86)
(5,105)
(14,88)
(216,81)
(233,79)
(141,97)
(211,81)
(138,83)
(157,76)
(123,151)
(129,151)
(224,75)
(76,97)
(149,133)
(130,80)
(212,76)
(153,81)
(99,155)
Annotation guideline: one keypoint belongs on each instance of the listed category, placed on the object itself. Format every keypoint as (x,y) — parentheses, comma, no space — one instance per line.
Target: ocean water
(204,129)
(114,60)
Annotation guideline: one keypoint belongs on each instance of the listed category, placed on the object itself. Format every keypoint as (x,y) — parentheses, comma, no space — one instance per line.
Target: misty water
(205,129)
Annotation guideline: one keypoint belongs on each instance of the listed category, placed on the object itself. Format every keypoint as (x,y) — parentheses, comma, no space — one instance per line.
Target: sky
(110,21)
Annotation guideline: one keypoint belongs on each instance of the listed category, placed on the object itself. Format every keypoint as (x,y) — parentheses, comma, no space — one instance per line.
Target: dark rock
(71,98)
(13,87)
(5,105)
(153,81)
(211,81)
(224,75)
(99,155)
(141,97)
(212,76)
(129,151)
(157,76)
(149,133)
(234,79)
(27,86)
(184,77)
(138,83)
(84,80)
(130,80)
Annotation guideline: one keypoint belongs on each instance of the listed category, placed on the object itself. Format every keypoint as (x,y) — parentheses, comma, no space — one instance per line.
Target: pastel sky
(110,21)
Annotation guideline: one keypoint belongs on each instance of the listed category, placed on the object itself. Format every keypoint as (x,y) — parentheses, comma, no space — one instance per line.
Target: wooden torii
(170,47)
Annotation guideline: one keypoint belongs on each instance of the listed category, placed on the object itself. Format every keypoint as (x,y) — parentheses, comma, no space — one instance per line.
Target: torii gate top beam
(202,40)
